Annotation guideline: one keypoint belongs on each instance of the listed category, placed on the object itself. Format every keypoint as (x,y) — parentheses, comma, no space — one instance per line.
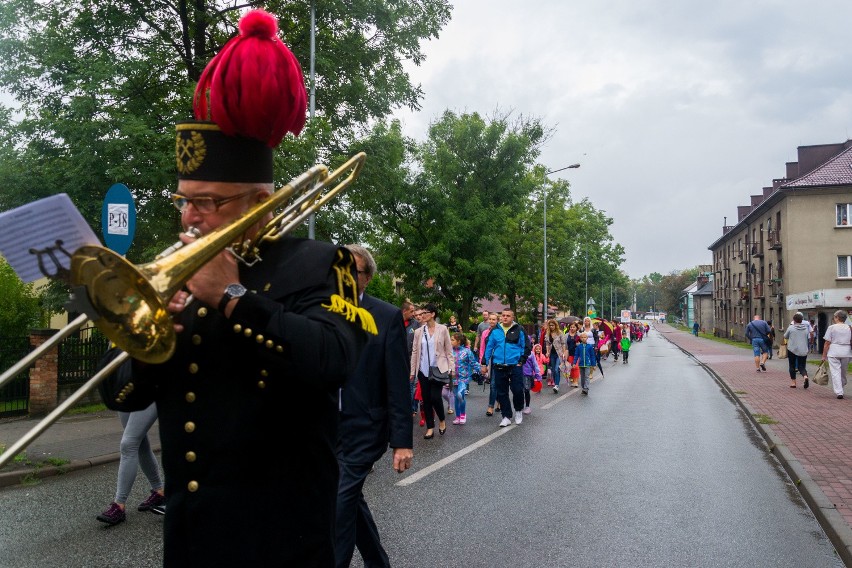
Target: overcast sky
(677,110)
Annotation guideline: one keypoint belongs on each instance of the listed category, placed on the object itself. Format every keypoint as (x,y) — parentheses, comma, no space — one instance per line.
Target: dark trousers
(511,376)
(433,402)
(355,525)
(797,362)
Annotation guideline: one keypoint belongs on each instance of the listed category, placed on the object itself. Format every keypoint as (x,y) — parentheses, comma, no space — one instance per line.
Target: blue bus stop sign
(118,218)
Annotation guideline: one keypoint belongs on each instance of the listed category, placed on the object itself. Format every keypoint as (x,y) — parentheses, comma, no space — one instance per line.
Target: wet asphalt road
(656,467)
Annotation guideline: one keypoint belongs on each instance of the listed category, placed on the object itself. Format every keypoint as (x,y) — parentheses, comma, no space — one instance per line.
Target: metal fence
(79,354)
(14,395)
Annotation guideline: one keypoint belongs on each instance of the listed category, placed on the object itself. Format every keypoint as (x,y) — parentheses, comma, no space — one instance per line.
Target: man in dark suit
(374,413)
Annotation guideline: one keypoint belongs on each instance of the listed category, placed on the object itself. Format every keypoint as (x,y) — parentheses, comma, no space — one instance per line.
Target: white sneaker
(527,410)
(555,389)
(519,417)
(505,422)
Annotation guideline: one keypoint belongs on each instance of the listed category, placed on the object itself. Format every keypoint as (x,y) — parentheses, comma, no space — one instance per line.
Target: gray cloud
(678,110)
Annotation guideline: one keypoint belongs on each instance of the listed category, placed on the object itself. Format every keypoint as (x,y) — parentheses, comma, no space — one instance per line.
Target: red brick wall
(44,375)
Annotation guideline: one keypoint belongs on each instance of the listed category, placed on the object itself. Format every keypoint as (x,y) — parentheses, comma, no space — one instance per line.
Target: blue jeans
(461,399)
(492,393)
(553,365)
(506,377)
(758,346)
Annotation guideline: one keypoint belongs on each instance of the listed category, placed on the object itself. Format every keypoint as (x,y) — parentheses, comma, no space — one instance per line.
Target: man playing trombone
(263,344)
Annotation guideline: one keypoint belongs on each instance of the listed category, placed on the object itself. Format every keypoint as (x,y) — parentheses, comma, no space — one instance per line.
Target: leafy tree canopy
(20,309)
(101,84)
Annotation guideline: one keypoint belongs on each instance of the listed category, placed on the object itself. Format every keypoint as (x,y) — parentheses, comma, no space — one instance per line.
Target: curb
(23,476)
(826,514)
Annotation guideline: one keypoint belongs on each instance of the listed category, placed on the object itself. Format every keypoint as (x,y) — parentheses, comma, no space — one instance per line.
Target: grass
(87,409)
(764,419)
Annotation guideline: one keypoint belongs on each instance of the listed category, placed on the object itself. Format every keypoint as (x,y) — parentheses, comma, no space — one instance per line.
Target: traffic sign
(118,218)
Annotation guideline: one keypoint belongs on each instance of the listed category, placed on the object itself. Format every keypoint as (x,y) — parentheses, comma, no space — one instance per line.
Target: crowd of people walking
(504,356)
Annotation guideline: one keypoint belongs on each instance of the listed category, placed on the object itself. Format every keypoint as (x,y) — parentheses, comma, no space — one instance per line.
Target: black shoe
(763,367)
(115,514)
(152,501)
(159,509)
(807,382)
(840,396)
(585,391)
(429,436)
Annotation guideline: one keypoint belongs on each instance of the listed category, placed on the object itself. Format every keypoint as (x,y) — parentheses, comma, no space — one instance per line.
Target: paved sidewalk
(83,441)
(812,431)
(811,436)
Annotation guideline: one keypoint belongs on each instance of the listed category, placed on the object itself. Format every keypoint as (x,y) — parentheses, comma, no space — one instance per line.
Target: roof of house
(493,304)
(705,290)
(836,171)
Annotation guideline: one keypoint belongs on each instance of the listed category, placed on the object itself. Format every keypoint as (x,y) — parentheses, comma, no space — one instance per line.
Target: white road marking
(429,470)
(452,457)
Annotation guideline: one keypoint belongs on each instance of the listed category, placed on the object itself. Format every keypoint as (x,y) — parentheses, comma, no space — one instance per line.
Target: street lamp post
(544,200)
(312,218)
(587,275)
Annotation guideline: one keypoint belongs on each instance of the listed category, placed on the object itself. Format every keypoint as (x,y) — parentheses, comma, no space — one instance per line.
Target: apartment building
(791,247)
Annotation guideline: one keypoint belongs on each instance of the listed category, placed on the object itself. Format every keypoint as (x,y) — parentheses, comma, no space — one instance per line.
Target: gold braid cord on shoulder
(345,302)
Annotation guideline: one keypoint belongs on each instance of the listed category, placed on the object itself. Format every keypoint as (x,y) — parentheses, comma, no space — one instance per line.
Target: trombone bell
(128,309)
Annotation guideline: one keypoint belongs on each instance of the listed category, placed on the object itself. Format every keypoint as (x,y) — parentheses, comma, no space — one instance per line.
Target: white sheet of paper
(30,233)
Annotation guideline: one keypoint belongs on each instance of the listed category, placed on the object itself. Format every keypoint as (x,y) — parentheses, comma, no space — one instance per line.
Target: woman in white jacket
(797,348)
(432,348)
(837,350)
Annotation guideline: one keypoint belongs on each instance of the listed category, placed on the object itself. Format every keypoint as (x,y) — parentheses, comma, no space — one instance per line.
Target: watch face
(235,290)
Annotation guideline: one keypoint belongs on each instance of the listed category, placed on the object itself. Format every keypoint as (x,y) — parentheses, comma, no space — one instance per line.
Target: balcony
(757,249)
(742,256)
(758,290)
(774,239)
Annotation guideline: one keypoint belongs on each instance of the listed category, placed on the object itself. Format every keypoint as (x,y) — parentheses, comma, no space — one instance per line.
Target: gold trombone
(128,303)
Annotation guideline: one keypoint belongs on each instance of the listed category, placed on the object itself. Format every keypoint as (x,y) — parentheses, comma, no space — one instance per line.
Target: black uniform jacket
(376,400)
(247,412)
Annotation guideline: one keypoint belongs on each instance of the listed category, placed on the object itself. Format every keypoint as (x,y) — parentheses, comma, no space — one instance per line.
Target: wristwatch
(231,291)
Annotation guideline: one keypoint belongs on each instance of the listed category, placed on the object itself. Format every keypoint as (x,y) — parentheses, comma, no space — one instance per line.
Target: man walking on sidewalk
(758,331)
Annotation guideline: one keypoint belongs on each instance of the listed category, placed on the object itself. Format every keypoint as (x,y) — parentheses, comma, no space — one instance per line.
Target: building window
(844,212)
(844,266)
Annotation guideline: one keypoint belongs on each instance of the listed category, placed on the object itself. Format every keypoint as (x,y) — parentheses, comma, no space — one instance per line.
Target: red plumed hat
(248,98)
(255,84)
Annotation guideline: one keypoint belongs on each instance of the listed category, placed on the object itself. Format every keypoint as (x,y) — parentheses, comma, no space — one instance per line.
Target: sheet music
(38,239)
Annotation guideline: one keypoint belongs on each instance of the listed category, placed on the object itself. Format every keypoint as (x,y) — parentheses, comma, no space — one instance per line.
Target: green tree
(671,288)
(440,209)
(20,309)
(101,84)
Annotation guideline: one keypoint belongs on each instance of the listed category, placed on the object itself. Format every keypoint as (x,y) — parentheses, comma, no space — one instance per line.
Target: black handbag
(435,374)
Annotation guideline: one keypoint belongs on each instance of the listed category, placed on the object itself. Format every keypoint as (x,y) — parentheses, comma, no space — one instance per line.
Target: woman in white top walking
(837,351)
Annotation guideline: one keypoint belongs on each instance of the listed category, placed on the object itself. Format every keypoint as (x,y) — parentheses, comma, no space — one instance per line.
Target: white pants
(837,370)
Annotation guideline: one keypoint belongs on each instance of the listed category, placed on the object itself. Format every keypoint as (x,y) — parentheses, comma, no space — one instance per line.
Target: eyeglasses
(205,205)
